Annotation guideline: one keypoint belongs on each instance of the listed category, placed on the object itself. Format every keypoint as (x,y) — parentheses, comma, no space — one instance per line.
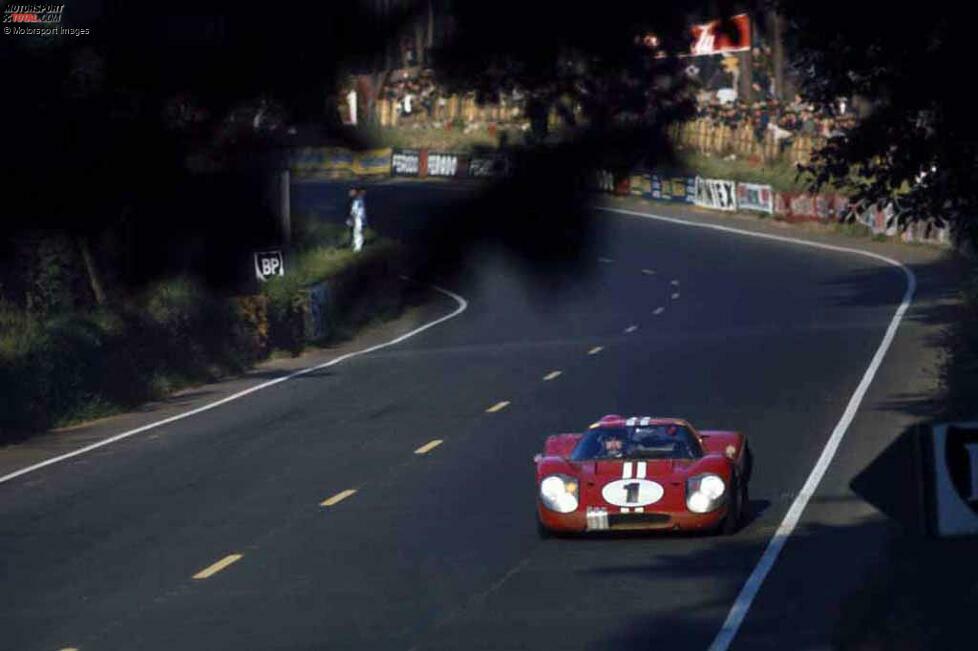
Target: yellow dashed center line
(675,296)
(630,329)
(499,406)
(553,375)
(208,572)
(659,310)
(675,283)
(648,272)
(339,497)
(428,447)
(595,350)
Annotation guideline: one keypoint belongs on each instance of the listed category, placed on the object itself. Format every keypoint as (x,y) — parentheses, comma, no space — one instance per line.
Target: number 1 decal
(631,492)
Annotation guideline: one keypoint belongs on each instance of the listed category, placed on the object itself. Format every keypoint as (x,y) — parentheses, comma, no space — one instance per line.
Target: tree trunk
(419,58)
(746,91)
(91,270)
(778,53)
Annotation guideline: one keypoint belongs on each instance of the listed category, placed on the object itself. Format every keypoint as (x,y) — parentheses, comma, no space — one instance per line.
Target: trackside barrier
(447,164)
(676,189)
(717,194)
(726,195)
(406,162)
(752,196)
(373,162)
(714,194)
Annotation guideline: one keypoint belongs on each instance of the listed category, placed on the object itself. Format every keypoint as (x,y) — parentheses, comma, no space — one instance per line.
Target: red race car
(643,473)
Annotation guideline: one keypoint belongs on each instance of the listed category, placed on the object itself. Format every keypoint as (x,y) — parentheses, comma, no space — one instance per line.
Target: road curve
(329,527)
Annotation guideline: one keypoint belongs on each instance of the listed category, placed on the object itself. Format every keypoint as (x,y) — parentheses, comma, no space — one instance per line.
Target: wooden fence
(705,137)
(448,110)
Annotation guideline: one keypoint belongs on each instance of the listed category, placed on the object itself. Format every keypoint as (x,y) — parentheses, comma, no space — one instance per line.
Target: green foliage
(82,364)
(288,296)
(454,139)
(309,231)
(51,273)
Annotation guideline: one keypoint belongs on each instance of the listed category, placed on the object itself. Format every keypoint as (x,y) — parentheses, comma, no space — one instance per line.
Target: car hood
(603,483)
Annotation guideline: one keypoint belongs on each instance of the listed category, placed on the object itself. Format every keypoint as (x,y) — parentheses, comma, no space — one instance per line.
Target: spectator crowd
(785,121)
(723,124)
(417,98)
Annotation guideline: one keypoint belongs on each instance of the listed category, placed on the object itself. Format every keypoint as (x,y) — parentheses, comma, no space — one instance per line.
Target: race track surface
(440,550)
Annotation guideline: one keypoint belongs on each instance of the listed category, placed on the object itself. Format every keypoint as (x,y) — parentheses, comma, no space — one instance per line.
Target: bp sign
(268,264)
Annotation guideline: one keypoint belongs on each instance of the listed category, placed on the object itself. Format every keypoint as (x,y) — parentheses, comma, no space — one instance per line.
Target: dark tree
(104,131)
(908,71)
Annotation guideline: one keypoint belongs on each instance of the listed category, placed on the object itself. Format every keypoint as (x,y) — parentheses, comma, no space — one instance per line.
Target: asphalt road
(440,550)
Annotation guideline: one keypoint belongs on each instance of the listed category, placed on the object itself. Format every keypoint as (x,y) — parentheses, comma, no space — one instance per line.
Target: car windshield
(661,441)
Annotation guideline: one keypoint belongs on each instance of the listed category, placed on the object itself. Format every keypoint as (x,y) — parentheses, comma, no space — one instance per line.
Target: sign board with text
(406,162)
(269,264)
(718,194)
(952,453)
(445,164)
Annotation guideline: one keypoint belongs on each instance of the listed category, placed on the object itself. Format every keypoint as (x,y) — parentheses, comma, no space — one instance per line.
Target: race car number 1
(632,492)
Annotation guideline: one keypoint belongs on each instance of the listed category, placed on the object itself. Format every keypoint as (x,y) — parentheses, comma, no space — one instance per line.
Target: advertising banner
(708,38)
(445,164)
(802,206)
(641,185)
(623,185)
(484,167)
(718,194)
(406,162)
(269,264)
(604,181)
(372,161)
(680,189)
(952,492)
(751,196)
(318,315)
(321,161)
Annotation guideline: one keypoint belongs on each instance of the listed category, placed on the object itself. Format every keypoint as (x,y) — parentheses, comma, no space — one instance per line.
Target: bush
(251,327)
(309,231)
(56,368)
(51,273)
(83,364)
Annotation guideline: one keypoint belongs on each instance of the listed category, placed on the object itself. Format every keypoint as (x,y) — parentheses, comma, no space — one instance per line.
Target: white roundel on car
(632,492)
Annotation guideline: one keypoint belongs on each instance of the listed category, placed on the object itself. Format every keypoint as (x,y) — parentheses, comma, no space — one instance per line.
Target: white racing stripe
(626,470)
(741,606)
(462,306)
(640,470)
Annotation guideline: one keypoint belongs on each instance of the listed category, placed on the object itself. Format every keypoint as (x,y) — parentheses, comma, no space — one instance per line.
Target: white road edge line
(741,606)
(462,306)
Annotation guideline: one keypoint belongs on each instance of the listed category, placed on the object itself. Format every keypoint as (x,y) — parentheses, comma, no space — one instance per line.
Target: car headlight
(559,493)
(704,493)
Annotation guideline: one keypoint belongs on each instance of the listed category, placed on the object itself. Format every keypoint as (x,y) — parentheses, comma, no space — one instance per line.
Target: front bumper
(587,519)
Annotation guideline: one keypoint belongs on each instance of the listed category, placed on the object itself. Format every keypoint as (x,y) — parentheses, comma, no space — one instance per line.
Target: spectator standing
(358,217)
(407,103)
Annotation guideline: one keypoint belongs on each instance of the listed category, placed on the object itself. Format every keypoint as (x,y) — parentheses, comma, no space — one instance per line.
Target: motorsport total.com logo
(37,20)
